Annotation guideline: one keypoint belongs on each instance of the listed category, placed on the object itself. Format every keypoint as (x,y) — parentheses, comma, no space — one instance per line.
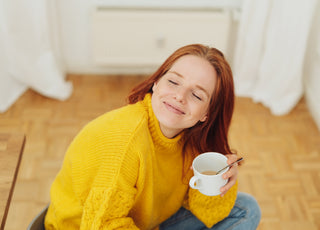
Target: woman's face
(182,96)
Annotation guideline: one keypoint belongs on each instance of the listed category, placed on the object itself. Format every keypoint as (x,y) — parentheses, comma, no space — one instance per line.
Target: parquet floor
(282,154)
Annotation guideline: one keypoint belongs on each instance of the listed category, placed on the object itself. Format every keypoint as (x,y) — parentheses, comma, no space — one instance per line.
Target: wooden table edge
(5,214)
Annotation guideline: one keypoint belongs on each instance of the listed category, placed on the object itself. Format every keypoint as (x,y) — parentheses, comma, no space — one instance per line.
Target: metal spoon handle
(240,159)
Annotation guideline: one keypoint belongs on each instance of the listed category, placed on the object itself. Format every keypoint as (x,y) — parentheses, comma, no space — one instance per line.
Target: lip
(173,109)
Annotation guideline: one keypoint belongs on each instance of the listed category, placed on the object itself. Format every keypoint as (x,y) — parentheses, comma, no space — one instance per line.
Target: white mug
(203,166)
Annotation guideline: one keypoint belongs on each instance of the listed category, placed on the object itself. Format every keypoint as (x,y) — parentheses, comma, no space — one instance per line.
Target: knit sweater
(121,172)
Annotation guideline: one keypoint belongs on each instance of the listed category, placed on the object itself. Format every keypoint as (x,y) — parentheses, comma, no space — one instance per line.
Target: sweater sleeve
(104,175)
(107,209)
(211,209)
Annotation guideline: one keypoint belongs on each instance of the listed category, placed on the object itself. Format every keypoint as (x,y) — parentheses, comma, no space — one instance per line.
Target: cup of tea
(205,167)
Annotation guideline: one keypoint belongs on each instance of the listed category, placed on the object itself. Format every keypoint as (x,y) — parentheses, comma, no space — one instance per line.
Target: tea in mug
(209,172)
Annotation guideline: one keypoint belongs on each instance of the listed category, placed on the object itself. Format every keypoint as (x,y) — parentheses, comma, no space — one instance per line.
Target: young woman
(129,168)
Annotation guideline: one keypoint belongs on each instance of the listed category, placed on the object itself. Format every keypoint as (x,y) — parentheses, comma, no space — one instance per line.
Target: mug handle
(194,182)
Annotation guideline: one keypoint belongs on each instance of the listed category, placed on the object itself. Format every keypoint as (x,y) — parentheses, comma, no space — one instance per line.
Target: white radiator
(144,37)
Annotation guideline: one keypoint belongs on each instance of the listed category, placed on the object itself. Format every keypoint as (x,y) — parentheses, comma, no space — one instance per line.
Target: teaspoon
(240,159)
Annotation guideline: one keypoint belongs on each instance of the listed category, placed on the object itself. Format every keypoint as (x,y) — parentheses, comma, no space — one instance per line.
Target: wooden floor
(282,154)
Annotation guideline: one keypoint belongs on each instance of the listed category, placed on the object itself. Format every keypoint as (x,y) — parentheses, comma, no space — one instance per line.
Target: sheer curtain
(29,51)
(270,51)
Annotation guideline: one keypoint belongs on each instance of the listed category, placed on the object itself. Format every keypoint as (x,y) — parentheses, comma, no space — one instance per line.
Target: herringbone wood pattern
(282,154)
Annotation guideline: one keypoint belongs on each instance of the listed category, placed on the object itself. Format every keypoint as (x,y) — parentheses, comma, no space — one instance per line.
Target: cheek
(200,111)
(163,89)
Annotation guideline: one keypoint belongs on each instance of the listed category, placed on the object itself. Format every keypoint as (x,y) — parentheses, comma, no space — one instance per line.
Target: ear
(154,86)
(204,118)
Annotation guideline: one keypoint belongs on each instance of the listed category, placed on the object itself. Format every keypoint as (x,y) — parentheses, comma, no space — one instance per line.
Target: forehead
(196,70)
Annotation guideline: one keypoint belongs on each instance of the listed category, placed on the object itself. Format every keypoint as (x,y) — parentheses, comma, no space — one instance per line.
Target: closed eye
(173,82)
(196,96)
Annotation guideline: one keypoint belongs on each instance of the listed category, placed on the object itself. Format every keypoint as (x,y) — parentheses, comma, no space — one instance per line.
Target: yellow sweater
(120,172)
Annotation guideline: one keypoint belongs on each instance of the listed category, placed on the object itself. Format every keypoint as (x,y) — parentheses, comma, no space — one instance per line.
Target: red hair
(211,135)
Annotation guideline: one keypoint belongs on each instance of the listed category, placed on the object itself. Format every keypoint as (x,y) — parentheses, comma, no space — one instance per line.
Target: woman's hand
(231,174)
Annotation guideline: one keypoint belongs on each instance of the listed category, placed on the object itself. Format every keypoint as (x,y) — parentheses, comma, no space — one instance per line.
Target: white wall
(76,28)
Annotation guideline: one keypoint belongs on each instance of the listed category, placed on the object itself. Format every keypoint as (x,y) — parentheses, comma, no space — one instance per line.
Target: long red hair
(211,135)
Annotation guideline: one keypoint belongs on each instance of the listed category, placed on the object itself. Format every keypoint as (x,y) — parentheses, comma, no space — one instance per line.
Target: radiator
(145,37)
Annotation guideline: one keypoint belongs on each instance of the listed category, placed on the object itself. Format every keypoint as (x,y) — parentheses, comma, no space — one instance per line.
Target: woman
(129,168)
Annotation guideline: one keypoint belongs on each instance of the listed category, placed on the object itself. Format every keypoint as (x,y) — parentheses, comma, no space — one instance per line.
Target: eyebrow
(198,86)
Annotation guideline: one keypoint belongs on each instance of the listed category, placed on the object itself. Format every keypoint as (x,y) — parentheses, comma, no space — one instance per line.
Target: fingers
(231,158)
(233,170)
(231,175)
(232,180)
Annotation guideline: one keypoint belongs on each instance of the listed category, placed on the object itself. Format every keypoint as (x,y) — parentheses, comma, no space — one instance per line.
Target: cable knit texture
(121,172)
(211,210)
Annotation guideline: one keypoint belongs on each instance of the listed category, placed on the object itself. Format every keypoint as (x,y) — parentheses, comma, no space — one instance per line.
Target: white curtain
(270,50)
(29,51)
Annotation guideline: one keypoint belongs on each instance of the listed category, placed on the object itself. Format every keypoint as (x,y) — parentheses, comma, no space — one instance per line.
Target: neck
(169,133)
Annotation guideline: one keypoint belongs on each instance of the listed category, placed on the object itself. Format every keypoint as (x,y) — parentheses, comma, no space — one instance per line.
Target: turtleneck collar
(154,127)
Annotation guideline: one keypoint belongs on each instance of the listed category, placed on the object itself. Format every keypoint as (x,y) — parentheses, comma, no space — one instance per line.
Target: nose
(180,95)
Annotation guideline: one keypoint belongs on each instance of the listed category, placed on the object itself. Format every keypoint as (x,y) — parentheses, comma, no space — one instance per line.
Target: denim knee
(252,207)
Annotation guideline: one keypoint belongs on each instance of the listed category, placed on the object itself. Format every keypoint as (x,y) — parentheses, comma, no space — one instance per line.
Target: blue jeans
(245,215)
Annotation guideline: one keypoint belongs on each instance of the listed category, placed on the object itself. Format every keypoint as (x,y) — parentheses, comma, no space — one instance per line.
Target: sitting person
(129,168)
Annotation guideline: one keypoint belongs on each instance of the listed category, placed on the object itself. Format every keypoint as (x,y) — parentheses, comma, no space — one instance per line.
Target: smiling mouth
(174,109)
